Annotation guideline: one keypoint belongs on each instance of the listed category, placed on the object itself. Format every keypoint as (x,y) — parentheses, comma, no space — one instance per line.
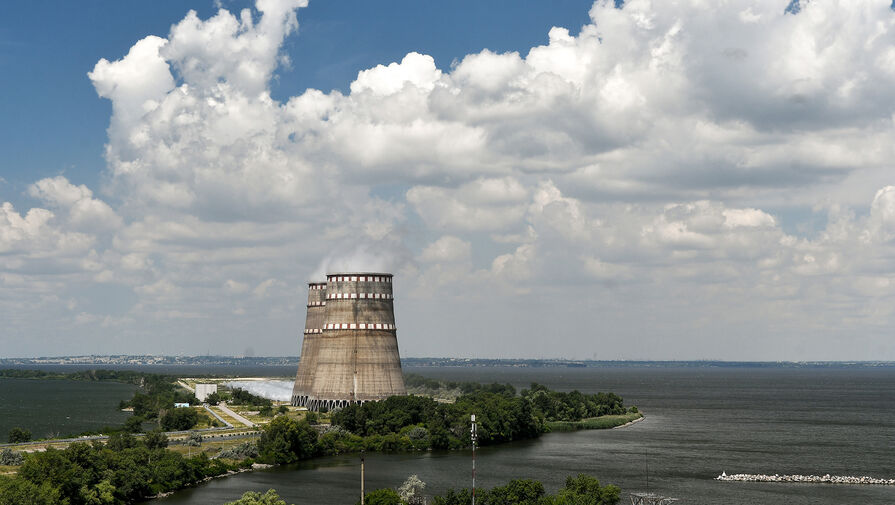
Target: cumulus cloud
(646,185)
(83,211)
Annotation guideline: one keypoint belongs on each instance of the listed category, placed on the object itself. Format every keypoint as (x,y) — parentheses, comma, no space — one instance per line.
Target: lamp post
(361,477)
(474,436)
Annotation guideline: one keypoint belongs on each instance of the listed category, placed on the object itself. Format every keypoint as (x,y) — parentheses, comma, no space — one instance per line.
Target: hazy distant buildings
(350,348)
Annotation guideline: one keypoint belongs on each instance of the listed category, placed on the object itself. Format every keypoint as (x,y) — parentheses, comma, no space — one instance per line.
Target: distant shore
(288,361)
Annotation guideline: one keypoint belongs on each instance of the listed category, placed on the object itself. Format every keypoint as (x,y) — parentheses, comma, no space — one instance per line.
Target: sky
(638,180)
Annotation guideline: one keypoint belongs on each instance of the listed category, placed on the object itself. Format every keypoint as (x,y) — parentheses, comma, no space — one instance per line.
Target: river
(700,422)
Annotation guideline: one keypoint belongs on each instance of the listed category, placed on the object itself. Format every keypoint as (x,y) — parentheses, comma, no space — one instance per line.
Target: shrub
(194,439)
(253,498)
(382,497)
(18,435)
(10,458)
(240,452)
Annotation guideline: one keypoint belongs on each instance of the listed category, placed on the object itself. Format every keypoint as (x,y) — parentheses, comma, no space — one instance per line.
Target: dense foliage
(253,498)
(18,435)
(120,472)
(285,440)
(242,397)
(580,490)
(179,419)
(158,396)
(573,406)
(421,422)
(126,376)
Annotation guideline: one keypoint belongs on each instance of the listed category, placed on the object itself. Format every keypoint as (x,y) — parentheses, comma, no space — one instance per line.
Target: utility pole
(474,435)
(361,477)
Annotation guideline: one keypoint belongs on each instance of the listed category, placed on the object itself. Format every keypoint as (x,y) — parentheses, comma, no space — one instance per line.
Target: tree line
(578,490)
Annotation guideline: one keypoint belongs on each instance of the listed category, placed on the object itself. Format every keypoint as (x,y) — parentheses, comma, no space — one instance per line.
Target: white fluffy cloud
(677,180)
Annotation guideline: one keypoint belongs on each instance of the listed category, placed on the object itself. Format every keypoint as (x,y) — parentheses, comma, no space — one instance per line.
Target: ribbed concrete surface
(313,322)
(351,363)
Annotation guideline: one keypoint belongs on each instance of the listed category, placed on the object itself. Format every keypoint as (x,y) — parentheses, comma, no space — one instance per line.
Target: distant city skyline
(606,180)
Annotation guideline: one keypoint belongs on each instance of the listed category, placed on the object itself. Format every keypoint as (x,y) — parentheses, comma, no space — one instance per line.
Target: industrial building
(350,349)
(204,390)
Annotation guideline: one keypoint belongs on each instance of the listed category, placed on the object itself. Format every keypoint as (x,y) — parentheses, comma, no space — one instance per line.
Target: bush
(382,497)
(194,439)
(10,458)
(155,439)
(253,498)
(240,452)
(18,435)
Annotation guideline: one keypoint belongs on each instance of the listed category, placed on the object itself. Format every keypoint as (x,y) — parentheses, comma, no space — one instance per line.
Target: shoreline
(629,423)
(263,466)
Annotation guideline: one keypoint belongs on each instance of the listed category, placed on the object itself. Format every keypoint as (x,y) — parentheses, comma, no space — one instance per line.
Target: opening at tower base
(350,349)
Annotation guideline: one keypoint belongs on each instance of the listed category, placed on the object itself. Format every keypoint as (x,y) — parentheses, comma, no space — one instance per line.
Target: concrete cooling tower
(350,349)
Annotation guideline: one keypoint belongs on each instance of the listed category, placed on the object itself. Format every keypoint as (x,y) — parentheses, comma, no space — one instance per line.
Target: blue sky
(55,124)
(653,180)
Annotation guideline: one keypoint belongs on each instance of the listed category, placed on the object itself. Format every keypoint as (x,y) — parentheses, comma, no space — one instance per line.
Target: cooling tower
(355,356)
(313,331)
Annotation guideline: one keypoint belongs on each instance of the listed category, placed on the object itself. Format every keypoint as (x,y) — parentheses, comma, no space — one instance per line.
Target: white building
(203,390)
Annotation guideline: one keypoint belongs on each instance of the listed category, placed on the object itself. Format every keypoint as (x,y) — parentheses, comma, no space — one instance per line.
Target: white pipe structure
(475,437)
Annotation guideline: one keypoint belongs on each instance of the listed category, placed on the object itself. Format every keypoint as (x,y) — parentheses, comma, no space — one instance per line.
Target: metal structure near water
(350,349)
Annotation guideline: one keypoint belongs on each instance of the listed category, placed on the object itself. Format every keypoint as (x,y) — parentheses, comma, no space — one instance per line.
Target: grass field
(593,423)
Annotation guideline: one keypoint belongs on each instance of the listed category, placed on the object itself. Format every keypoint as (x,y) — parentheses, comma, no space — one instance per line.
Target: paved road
(215,414)
(234,415)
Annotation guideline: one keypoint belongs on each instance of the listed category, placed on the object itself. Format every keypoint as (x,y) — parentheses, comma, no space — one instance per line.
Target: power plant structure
(350,349)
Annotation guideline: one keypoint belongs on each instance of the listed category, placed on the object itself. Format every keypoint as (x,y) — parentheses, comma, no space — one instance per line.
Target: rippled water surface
(700,422)
(60,407)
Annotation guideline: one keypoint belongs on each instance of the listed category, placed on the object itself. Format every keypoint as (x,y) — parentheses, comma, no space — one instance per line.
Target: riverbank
(596,423)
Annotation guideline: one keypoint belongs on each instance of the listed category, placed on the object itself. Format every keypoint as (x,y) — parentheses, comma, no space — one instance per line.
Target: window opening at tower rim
(350,349)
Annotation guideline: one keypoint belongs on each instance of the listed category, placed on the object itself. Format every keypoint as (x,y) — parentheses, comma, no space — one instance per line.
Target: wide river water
(699,422)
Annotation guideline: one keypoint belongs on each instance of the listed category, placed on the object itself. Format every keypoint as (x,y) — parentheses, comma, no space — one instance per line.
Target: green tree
(121,441)
(134,424)
(253,498)
(382,497)
(155,439)
(214,398)
(179,419)
(101,494)
(285,440)
(22,492)
(516,492)
(586,490)
(18,435)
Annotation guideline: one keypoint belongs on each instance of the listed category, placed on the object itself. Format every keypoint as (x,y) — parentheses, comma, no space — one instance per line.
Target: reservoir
(50,408)
(700,422)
